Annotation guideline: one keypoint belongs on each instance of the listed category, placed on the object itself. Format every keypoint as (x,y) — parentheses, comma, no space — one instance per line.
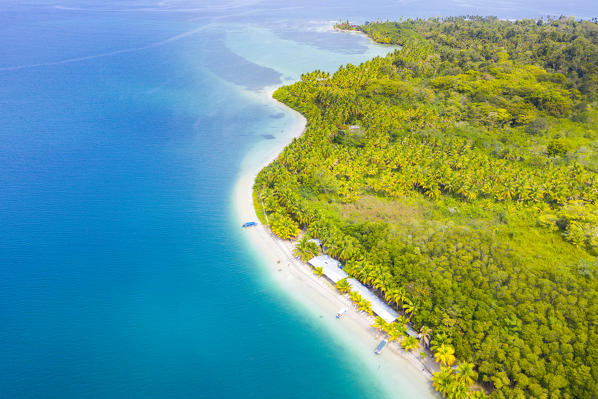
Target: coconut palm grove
(458,178)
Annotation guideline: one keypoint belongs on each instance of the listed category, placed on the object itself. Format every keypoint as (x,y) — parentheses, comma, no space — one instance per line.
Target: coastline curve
(315,296)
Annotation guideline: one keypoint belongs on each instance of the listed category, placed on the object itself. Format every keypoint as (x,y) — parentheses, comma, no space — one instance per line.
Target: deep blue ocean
(123,125)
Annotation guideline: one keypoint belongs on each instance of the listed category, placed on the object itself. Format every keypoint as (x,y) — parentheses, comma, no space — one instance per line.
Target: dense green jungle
(458,177)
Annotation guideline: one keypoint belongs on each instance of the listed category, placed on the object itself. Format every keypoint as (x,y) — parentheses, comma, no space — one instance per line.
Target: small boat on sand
(380,346)
(341,313)
(249,224)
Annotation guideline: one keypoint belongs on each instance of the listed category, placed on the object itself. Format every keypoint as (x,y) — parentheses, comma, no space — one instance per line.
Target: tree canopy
(458,177)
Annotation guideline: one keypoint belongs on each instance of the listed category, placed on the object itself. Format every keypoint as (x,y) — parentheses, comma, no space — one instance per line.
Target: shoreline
(321,298)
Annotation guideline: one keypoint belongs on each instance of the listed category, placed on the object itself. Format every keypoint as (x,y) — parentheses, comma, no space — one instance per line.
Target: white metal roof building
(378,305)
(330,266)
(332,270)
(411,332)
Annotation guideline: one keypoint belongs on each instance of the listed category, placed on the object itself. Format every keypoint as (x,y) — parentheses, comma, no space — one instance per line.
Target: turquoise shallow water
(122,271)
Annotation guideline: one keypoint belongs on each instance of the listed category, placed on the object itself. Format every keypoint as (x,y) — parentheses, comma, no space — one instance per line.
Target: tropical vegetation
(305,249)
(458,178)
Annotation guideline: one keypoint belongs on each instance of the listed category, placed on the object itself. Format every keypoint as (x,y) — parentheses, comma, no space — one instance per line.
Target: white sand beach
(318,298)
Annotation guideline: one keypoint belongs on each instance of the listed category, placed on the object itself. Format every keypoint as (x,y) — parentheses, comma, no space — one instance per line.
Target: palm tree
(361,302)
(409,308)
(402,321)
(319,271)
(365,305)
(381,324)
(332,248)
(349,248)
(466,373)
(355,297)
(381,282)
(352,268)
(445,354)
(442,380)
(343,286)
(409,343)
(396,331)
(399,296)
(283,226)
(424,336)
(389,294)
(306,249)
(440,339)
(458,390)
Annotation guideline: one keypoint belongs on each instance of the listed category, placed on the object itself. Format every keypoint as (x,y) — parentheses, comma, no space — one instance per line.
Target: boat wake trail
(107,54)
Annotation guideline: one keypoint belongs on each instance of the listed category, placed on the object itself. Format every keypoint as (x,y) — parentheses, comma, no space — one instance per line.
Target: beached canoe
(380,346)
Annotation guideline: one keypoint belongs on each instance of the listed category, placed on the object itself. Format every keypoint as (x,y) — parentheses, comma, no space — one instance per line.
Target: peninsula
(457,180)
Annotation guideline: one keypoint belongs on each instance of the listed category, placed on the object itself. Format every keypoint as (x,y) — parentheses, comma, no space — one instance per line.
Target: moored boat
(381,346)
(341,313)
(249,224)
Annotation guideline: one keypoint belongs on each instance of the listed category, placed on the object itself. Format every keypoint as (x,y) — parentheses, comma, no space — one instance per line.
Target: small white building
(332,271)
(378,305)
(331,267)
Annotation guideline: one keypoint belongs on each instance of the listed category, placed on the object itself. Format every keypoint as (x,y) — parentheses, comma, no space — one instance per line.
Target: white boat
(341,313)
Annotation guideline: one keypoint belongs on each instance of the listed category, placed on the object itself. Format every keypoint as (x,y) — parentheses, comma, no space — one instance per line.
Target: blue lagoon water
(123,125)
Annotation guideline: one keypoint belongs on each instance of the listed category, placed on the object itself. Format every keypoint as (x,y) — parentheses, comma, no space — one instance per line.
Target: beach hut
(330,266)
(378,305)
(332,270)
